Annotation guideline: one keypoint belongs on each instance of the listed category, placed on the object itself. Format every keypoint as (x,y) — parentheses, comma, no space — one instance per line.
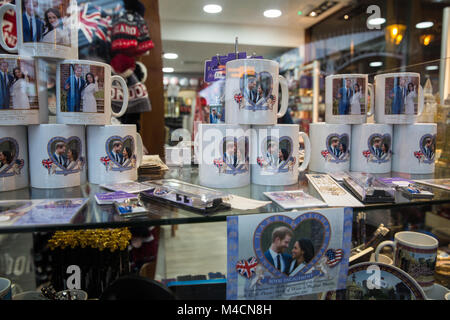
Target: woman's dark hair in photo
(410,85)
(344,147)
(308,249)
(386,146)
(14,74)
(8,156)
(48,25)
(92,75)
(285,154)
(74,154)
(356,85)
(128,151)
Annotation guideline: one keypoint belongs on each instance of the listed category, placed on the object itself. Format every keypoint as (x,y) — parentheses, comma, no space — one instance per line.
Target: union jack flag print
(93,24)
(333,257)
(247,268)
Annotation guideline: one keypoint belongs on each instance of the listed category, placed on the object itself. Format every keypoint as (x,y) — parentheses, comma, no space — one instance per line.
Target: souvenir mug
(23,90)
(223,153)
(415,253)
(330,147)
(346,98)
(43,30)
(275,154)
(83,93)
(414,148)
(57,155)
(5,289)
(13,158)
(114,153)
(251,92)
(371,148)
(398,98)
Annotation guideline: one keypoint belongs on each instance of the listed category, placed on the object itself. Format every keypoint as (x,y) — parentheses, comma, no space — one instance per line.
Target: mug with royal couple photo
(398,98)
(45,28)
(223,153)
(83,93)
(330,147)
(13,158)
(275,154)
(114,153)
(346,98)
(251,92)
(23,90)
(371,148)
(414,148)
(58,155)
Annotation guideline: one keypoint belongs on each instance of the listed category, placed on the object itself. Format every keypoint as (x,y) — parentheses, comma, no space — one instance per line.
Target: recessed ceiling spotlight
(212,8)
(376,64)
(376,21)
(272,13)
(170,55)
(346,17)
(168,70)
(313,14)
(431,68)
(424,25)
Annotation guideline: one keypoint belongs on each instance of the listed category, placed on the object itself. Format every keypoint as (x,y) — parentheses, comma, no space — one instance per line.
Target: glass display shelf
(105,216)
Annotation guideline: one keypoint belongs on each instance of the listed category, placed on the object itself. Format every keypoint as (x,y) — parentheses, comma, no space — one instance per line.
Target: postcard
(111,197)
(396,181)
(294,199)
(127,186)
(438,183)
(288,255)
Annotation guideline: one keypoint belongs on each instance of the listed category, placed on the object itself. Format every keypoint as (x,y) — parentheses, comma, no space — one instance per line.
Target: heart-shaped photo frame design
(234,155)
(10,165)
(65,155)
(311,232)
(256,91)
(276,154)
(427,146)
(379,148)
(120,153)
(337,148)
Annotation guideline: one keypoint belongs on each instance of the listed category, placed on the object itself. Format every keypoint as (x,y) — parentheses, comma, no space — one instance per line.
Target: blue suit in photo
(74,93)
(344,100)
(5,84)
(287,259)
(398,95)
(27,34)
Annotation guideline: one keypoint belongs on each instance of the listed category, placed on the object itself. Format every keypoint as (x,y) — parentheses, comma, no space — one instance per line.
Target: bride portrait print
(65,156)
(46,21)
(276,155)
(234,156)
(402,95)
(18,84)
(256,91)
(349,96)
(120,154)
(82,88)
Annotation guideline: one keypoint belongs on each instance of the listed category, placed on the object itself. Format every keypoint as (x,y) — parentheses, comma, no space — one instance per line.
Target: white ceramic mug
(415,253)
(330,147)
(5,289)
(371,148)
(13,158)
(57,155)
(83,93)
(114,153)
(275,154)
(346,98)
(414,148)
(251,92)
(36,36)
(398,98)
(223,153)
(23,90)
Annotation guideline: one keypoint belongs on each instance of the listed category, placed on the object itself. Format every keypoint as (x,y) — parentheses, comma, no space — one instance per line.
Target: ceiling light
(272,13)
(212,8)
(313,14)
(376,21)
(170,55)
(424,25)
(376,64)
(346,17)
(430,68)
(168,70)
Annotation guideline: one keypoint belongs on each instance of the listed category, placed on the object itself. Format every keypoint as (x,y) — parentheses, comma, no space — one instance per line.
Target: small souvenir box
(368,188)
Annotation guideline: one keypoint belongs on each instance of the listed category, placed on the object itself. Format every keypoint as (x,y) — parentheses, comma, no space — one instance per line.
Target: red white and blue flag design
(334,257)
(247,268)
(94,23)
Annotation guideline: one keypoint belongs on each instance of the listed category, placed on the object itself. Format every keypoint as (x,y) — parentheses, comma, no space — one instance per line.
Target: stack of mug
(57,155)
(251,146)
(395,142)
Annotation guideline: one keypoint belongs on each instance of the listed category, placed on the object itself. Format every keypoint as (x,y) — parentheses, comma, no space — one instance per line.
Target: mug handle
(284,96)
(3,9)
(124,86)
(139,150)
(381,246)
(372,99)
(421,101)
(307,151)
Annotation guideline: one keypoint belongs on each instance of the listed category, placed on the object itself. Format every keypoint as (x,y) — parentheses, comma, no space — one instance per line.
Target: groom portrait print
(276,254)
(33,26)
(6,80)
(74,86)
